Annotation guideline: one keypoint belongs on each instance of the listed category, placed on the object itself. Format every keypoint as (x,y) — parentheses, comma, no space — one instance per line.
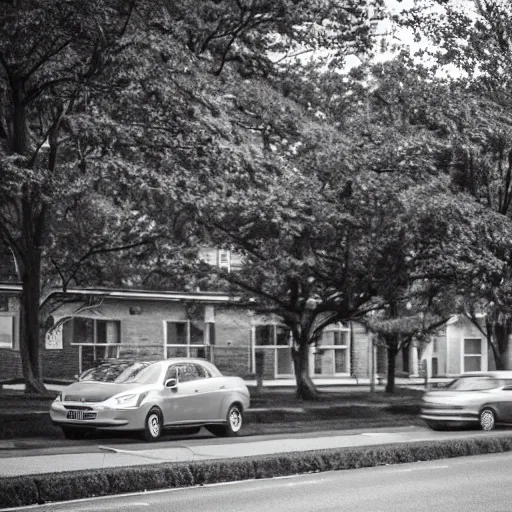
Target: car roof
(499,374)
(152,361)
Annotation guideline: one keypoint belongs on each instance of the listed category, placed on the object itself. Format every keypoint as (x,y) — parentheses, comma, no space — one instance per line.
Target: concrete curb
(55,487)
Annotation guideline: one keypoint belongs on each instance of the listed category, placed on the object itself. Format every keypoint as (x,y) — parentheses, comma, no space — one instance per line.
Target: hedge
(39,489)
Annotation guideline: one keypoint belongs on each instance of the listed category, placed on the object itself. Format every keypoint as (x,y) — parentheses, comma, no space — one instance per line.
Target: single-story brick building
(149,324)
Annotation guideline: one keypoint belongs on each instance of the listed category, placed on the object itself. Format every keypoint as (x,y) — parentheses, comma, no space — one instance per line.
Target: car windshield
(474,384)
(119,372)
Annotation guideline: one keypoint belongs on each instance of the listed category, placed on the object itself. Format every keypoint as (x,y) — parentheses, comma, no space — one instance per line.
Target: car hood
(94,391)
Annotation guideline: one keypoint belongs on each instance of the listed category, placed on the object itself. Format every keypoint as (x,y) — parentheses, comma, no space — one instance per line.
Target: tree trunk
(30,339)
(392,353)
(306,389)
(501,332)
(27,251)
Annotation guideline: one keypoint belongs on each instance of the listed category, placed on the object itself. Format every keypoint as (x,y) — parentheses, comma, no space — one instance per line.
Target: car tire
(74,433)
(153,425)
(233,425)
(438,426)
(487,419)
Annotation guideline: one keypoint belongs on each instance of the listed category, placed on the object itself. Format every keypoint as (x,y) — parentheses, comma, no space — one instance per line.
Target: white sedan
(150,396)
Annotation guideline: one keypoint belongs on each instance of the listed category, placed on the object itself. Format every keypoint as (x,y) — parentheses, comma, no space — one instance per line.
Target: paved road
(92,455)
(467,484)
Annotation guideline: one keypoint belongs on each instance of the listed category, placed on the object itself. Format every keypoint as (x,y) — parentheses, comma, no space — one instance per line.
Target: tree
(115,105)
(476,43)
(43,77)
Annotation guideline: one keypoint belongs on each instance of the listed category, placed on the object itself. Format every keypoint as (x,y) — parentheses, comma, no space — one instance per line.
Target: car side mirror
(77,377)
(171,383)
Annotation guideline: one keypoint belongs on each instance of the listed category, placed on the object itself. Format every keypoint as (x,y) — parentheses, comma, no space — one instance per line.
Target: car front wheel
(153,425)
(487,419)
(232,427)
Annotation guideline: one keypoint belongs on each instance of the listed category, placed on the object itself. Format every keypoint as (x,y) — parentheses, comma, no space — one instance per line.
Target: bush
(20,491)
(71,485)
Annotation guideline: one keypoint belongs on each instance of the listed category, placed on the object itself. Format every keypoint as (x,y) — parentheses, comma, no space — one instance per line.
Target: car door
(504,403)
(178,402)
(208,395)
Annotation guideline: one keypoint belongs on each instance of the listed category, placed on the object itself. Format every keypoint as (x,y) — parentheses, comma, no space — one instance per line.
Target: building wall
(441,350)
(456,331)
(10,360)
(361,346)
(232,327)
(142,335)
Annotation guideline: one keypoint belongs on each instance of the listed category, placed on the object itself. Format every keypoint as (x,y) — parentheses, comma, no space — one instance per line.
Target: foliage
(476,43)
(116,113)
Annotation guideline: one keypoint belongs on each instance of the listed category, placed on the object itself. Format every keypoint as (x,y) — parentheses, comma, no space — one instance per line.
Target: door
(504,403)
(284,361)
(207,394)
(191,400)
(176,402)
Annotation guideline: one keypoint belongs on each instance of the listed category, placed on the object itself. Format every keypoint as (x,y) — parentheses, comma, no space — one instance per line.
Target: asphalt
(94,455)
(468,484)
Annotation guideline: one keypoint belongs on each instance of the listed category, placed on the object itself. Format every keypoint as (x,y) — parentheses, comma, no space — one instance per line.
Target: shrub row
(39,489)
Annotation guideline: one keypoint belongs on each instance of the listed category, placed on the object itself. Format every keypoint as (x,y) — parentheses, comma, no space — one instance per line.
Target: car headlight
(133,400)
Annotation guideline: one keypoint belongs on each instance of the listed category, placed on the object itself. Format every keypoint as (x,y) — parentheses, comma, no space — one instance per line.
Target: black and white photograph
(256,255)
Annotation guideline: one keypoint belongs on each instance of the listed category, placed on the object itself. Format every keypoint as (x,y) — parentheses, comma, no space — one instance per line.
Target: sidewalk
(207,449)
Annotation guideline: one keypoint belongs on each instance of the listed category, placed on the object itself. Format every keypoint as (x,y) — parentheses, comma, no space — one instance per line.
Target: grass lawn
(26,416)
(269,397)
(11,400)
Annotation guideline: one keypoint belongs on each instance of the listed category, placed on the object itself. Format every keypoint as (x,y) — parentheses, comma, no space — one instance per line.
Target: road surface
(97,454)
(466,484)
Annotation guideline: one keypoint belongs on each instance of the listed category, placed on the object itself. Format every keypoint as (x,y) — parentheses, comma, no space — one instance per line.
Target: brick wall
(60,363)
(10,364)
(10,359)
(142,336)
(233,327)
(232,360)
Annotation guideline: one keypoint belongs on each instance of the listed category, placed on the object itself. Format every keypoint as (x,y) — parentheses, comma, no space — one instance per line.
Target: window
(188,339)
(121,372)
(272,335)
(6,331)
(435,367)
(277,338)
(224,259)
(331,354)
(92,330)
(177,333)
(472,355)
(186,372)
(221,258)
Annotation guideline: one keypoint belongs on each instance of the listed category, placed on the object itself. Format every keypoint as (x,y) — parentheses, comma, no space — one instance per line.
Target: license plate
(81,415)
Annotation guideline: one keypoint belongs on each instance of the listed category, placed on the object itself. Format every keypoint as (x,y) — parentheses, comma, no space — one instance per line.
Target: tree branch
(45,58)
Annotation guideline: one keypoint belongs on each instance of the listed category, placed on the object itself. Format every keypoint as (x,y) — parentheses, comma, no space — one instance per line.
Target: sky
(405,37)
